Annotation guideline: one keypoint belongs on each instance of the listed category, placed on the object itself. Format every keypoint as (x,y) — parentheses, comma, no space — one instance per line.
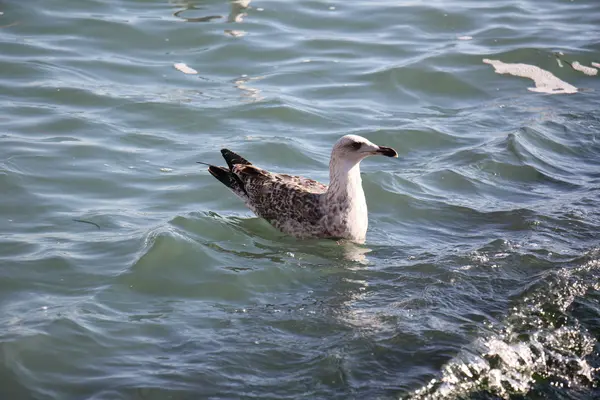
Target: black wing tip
(228,178)
(226,153)
(222,174)
(214,171)
(233,158)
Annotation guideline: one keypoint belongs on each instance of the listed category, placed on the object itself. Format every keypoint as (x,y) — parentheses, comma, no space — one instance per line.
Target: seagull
(302,207)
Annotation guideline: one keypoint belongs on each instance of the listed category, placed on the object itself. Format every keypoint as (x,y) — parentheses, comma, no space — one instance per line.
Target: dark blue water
(479,277)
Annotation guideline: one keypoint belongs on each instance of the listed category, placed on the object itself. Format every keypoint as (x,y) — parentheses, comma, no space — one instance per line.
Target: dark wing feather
(233,158)
(226,176)
(281,198)
(229,179)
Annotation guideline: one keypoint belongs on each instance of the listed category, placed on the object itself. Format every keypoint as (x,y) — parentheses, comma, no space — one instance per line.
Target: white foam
(582,68)
(509,358)
(545,81)
(185,69)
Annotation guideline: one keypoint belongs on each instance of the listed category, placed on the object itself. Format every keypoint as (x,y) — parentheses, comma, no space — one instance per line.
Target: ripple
(539,344)
(477,269)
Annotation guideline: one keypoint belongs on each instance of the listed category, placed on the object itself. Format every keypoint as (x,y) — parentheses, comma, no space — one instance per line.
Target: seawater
(479,277)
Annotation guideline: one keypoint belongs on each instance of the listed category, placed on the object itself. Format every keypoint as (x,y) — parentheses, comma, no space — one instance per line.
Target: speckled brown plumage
(303,207)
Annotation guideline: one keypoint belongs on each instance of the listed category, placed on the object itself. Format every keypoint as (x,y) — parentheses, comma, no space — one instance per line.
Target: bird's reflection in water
(189,7)
(234,33)
(354,252)
(251,93)
(238,8)
(236,15)
(352,305)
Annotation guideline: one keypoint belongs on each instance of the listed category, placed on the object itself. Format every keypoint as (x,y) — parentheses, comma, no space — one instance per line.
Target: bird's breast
(358,221)
(348,219)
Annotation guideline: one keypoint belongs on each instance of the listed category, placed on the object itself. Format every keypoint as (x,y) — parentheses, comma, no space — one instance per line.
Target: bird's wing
(281,199)
(307,184)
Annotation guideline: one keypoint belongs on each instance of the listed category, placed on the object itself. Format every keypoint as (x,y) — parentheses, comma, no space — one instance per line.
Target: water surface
(479,278)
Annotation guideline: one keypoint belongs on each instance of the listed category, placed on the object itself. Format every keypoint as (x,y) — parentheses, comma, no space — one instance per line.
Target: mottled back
(290,203)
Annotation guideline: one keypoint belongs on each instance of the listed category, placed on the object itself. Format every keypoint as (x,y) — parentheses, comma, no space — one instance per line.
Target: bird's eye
(356,145)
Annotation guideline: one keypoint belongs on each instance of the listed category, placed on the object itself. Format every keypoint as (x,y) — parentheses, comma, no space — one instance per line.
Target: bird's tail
(226,176)
(232,158)
(229,179)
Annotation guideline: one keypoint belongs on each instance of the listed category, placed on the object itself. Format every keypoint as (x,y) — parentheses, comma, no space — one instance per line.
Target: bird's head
(351,149)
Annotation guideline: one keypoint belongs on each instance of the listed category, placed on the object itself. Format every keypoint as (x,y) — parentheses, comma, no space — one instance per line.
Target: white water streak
(545,81)
(582,68)
(185,69)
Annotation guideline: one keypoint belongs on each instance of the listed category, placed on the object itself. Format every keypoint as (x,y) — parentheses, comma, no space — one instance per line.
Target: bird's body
(303,207)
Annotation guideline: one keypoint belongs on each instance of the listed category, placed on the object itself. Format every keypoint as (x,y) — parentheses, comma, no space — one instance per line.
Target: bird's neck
(346,201)
(345,184)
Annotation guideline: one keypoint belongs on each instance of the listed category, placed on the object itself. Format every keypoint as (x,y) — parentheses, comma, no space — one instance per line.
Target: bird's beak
(387,151)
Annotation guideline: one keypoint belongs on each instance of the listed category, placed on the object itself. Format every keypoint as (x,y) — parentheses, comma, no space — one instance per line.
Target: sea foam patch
(577,66)
(540,341)
(545,81)
(185,69)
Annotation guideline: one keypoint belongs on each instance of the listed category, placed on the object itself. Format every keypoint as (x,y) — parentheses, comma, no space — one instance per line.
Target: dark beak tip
(388,152)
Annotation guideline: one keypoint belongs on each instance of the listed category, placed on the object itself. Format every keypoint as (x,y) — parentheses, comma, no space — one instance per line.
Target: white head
(349,150)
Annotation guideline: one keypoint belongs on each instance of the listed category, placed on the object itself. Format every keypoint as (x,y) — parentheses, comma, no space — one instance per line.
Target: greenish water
(479,278)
